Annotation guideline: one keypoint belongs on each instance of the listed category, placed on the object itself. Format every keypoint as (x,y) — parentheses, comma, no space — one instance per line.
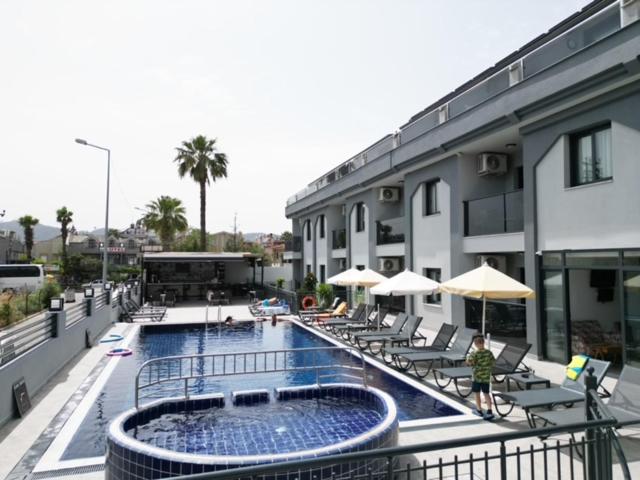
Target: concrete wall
(38,365)
(359,241)
(307,245)
(599,215)
(271,274)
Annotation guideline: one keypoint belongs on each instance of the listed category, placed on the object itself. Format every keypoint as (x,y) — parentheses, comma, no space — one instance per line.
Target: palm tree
(200,158)
(27,223)
(64,217)
(166,216)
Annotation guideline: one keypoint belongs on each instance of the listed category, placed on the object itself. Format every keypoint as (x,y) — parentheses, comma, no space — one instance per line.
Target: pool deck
(24,441)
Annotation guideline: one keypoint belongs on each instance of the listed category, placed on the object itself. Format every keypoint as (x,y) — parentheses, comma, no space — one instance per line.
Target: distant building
(218,241)
(10,247)
(48,250)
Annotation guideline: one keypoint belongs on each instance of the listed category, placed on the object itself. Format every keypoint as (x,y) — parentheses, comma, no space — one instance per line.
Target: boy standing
(482,362)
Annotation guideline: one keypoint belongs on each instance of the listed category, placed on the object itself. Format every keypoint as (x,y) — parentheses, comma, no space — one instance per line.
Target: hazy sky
(289,88)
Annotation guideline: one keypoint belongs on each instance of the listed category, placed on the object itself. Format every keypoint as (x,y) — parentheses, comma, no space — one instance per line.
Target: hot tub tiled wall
(129,459)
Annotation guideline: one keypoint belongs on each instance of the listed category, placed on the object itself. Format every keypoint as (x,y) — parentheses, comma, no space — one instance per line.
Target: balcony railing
(294,245)
(502,213)
(573,35)
(390,231)
(339,239)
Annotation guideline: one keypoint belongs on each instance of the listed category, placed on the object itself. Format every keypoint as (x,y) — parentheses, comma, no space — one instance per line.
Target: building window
(431,206)
(433,274)
(321,223)
(590,154)
(308,227)
(308,269)
(323,273)
(360,213)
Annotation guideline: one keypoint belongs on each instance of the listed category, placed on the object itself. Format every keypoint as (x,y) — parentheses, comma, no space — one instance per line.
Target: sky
(290,89)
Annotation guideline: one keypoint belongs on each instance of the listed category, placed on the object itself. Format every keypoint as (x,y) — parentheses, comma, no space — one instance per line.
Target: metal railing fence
(187,368)
(289,296)
(75,314)
(101,299)
(22,339)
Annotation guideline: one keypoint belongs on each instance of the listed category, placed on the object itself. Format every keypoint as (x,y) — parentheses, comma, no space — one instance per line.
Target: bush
(309,283)
(280,282)
(50,290)
(325,294)
(7,314)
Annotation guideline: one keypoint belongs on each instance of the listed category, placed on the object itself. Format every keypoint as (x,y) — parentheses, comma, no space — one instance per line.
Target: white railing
(186,368)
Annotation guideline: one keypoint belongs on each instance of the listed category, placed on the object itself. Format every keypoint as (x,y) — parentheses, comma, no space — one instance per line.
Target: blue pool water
(161,341)
(263,428)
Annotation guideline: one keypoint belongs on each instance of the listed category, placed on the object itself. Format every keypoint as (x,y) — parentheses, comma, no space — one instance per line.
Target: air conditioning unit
(389,265)
(492,164)
(389,194)
(499,262)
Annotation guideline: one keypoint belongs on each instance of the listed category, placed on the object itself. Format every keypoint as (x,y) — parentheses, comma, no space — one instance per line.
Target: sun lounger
(440,343)
(133,306)
(406,336)
(360,314)
(571,391)
(624,404)
(371,323)
(456,354)
(130,314)
(508,361)
(340,311)
(394,329)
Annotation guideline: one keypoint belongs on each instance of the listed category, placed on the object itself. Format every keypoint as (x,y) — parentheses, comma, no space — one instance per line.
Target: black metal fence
(22,339)
(584,451)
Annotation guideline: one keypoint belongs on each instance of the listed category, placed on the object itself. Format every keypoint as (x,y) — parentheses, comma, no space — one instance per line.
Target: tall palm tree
(27,223)
(200,158)
(64,217)
(166,216)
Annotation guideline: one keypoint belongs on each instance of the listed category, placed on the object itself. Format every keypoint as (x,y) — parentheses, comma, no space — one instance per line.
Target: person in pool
(228,320)
(274,320)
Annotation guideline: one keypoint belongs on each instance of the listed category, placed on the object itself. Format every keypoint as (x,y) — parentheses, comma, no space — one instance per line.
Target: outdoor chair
(624,404)
(371,323)
(440,343)
(360,314)
(414,358)
(394,329)
(322,318)
(507,362)
(569,392)
(408,334)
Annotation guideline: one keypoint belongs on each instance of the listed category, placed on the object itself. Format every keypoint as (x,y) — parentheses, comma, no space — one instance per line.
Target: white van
(21,277)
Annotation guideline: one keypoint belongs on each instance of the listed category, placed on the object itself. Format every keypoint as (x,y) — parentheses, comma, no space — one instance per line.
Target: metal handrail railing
(189,367)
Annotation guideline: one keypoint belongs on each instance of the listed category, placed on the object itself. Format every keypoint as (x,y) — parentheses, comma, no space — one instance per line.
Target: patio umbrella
(357,278)
(486,282)
(405,283)
(345,279)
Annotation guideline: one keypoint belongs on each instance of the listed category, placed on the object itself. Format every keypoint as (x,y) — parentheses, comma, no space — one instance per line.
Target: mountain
(40,232)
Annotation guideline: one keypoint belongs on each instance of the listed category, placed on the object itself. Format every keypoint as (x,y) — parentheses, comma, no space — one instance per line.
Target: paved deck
(17,438)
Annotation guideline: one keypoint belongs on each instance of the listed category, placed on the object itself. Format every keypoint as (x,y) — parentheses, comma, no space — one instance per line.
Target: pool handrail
(256,355)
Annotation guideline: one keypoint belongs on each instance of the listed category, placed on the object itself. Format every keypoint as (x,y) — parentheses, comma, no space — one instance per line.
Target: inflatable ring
(308,302)
(119,352)
(114,337)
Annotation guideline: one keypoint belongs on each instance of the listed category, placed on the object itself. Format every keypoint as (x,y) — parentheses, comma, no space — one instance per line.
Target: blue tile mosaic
(160,341)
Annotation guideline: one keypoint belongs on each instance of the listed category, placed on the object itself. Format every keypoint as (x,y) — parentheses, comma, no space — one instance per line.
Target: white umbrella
(346,278)
(405,283)
(486,282)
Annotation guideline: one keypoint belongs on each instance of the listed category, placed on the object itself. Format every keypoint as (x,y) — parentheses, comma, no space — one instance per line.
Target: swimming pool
(154,341)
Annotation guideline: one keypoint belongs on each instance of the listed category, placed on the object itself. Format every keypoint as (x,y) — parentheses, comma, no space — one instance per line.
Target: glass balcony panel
(339,239)
(390,231)
(478,94)
(502,213)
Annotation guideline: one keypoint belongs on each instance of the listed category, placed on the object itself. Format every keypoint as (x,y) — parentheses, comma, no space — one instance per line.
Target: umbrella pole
(484,313)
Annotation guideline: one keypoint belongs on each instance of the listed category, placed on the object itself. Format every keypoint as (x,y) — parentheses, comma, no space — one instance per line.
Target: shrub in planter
(325,294)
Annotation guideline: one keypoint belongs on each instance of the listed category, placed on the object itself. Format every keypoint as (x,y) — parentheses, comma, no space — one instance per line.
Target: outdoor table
(526,380)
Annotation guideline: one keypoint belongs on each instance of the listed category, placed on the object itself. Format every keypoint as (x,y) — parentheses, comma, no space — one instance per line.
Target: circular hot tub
(174,437)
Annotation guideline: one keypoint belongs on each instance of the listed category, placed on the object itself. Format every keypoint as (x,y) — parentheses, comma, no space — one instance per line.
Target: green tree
(190,243)
(286,236)
(166,216)
(64,217)
(27,223)
(200,159)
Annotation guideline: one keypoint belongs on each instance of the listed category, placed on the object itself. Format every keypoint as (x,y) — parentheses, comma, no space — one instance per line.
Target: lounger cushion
(575,368)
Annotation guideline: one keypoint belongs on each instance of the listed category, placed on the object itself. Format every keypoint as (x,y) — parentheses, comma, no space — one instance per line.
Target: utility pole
(235,231)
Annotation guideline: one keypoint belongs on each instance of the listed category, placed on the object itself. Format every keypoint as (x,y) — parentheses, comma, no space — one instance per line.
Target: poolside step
(249,397)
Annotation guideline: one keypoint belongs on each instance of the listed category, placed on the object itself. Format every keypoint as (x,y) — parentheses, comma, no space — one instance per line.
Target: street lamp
(106,215)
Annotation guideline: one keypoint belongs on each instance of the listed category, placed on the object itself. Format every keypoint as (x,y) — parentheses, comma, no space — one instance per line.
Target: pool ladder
(343,361)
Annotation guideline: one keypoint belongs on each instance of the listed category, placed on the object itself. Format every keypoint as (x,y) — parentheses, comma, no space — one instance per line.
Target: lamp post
(106,215)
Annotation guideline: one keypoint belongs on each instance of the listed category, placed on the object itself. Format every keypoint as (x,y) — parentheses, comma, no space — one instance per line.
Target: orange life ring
(309,302)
